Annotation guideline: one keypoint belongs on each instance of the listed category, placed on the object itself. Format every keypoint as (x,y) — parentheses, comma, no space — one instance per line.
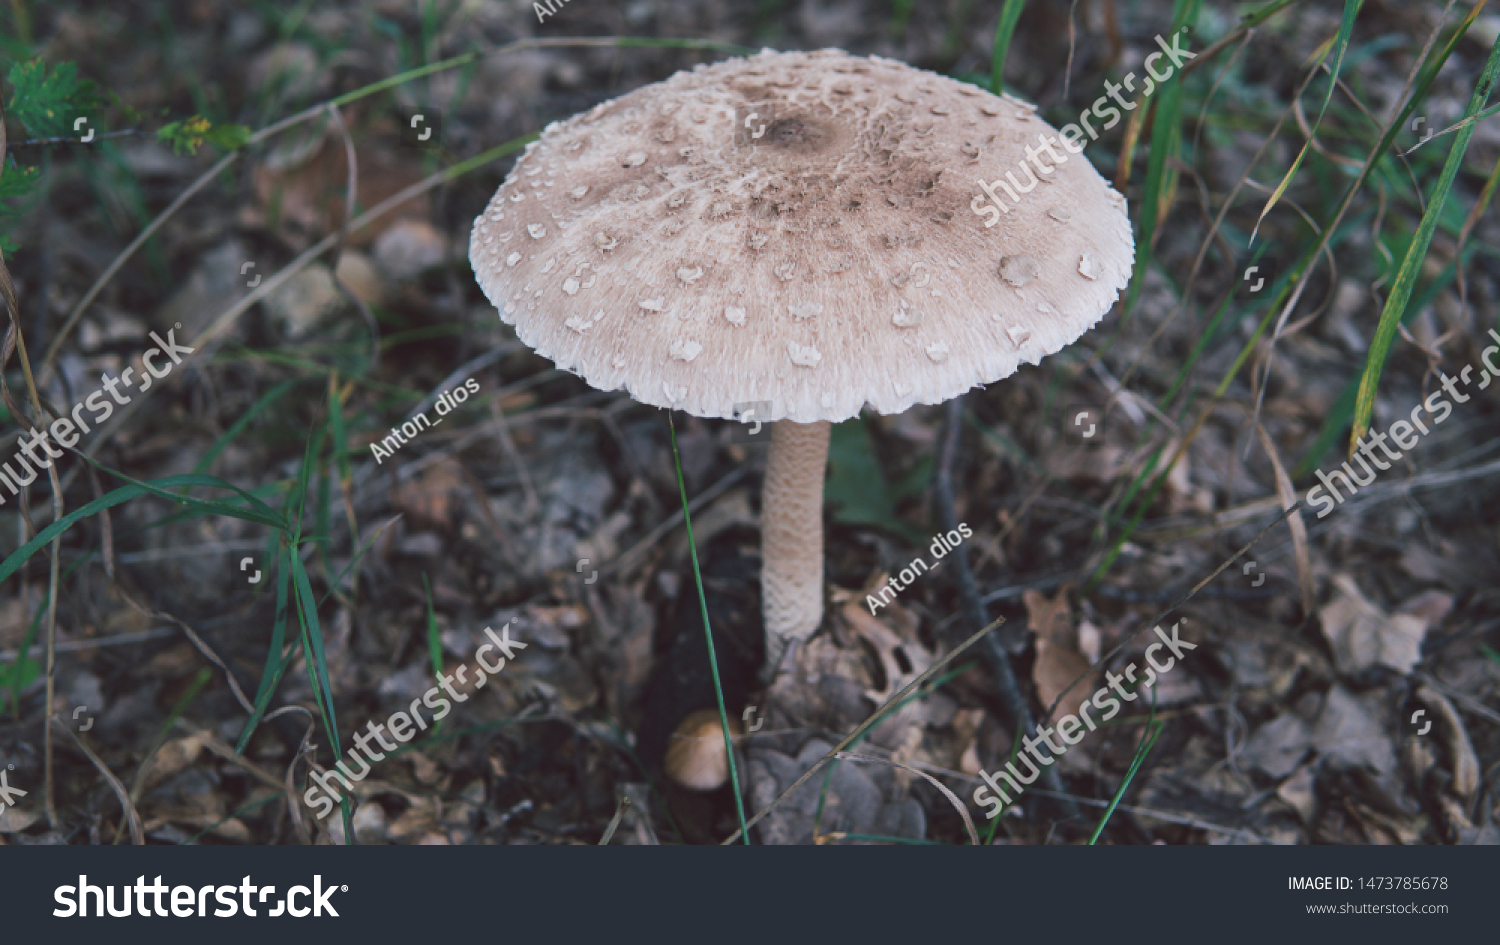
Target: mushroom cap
(798,231)
(695,755)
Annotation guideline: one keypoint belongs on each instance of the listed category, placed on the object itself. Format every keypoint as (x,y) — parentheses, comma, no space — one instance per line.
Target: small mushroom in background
(695,752)
(808,230)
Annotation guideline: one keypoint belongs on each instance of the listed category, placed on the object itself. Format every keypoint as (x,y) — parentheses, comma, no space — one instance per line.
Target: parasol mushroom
(803,230)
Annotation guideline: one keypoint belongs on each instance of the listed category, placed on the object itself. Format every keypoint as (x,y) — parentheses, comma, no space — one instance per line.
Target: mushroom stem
(791,535)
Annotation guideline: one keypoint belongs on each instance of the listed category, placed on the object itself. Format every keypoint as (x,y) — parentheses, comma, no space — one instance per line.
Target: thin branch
(995,656)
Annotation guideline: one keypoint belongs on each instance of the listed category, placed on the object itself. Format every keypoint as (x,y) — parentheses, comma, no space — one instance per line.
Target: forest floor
(1345,687)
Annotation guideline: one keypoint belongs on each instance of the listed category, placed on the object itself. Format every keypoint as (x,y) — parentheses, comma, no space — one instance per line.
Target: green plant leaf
(48,103)
(1004,30)
(270,678)
(713,659)
(125,494)
(188,135)
(1411,264)
(1346,28)
(857,490)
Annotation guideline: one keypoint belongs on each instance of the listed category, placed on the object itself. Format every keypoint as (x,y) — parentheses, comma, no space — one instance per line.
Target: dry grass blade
(285,785)
(290,783)
(1397,116)
(14,337)
(868,723)
(136,835)
(614,822)
(197,641)
(1288,496)
(309,114)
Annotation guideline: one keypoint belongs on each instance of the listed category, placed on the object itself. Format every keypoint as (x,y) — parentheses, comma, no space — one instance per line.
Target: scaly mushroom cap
(796,228)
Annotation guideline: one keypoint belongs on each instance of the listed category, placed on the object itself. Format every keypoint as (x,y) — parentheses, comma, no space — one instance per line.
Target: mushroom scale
(797,228)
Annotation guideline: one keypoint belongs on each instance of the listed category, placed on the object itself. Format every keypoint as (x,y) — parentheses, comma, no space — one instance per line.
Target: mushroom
(696,758)
(803,230)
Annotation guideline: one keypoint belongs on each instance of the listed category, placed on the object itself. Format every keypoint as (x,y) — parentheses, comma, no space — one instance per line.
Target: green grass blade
(1015,749)
(1341,44)
(266,400)
(1341,414)
(355,560)
(1166,139)
(434,644)
(1406,278)
(317,671)
(713,660)
(125,494)
(270,677)
(1004,30)
(1143,748)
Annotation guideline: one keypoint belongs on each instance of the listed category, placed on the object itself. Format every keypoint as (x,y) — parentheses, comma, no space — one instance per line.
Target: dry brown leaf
(1349,733)
(1431,606)
(886,643)
(1362,635)
(13,622)
(309,198)
(428,499)
(171,758)
(1097,463)
(1050,620)
(1297,791)
(1058,661)
(966,739)
(15,820)
(1456,740)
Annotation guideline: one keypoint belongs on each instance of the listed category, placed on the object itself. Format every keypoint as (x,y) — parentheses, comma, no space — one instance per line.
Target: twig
(502,432)
(994,655)
(463,371)
(15,336)
(68,646)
